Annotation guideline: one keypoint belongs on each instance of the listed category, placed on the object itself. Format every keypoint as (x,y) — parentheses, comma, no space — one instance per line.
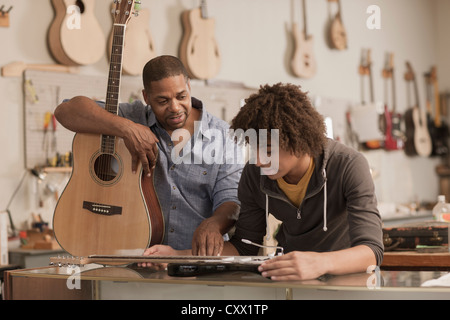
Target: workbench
(129,282)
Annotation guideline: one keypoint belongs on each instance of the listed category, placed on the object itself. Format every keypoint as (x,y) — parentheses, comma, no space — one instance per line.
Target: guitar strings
(104,167)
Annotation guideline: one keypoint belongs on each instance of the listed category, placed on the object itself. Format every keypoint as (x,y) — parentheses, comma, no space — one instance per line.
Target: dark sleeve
(251,224)
(364,220)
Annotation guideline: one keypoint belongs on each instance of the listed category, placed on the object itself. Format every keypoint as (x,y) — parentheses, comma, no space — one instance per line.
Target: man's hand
(207,239)
(142,144)
(161,250)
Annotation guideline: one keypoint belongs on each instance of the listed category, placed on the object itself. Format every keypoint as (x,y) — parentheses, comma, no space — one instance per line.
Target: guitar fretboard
(113,90)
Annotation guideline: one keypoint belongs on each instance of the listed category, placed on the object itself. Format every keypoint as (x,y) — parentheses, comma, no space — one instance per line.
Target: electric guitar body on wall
(418,140)
(105,208)
(199,50)
(393,132)
(303,63)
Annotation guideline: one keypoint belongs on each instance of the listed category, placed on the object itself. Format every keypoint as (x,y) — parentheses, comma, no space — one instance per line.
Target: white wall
(255,43)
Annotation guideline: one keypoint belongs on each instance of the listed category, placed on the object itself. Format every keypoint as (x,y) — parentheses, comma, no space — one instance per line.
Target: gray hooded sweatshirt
(339,210)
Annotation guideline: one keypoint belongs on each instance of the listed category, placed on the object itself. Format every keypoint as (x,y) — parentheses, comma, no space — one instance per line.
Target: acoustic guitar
(75,36)
(393,132)
(139,44)
(418,140)
(199,50)
(303,62)
(337,33)
(440,129)
(105,208)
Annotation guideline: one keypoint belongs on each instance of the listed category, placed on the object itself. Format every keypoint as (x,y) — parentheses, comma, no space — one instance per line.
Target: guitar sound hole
(106,167)
(80,5)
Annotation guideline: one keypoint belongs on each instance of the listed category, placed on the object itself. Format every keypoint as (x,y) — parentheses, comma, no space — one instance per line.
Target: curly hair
(287,108)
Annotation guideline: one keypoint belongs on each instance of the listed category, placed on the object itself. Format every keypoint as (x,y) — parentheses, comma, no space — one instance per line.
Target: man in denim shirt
(196,175)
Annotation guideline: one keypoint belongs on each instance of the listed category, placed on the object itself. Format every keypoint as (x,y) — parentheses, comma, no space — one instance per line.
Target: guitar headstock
(433,75)
(388,66)
(65,261)
(124,9)
(366,62)
(409,74)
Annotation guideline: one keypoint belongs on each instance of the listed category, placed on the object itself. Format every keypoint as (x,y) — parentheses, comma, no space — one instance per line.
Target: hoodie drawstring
(325,228)
(325,201)
(267,218)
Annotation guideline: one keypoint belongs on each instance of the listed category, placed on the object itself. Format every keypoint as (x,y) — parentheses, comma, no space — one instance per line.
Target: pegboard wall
(43,91)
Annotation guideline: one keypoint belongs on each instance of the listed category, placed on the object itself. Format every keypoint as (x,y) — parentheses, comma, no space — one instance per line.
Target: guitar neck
(394,98)
(437,118)
(115,69)
(204,9)
(129,259)
(113,90)
(305,23)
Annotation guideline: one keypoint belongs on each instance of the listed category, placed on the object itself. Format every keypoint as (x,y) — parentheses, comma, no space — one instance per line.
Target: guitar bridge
(103,209)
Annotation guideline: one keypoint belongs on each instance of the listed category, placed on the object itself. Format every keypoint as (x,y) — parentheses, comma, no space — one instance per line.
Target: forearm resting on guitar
(83,115)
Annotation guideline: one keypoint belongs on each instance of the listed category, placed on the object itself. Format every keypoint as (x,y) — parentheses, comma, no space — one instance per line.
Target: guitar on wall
(365,70)
(105,208)
(303,62)
(75,36)
(337,35)
(440,128)
(418,139)
(139,46)
(393,133)
(199,50)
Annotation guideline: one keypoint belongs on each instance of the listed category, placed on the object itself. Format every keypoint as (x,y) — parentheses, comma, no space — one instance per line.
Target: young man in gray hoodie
(321,190)
(322,193)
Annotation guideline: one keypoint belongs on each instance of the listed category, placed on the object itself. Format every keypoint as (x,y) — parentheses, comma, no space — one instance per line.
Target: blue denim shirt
(191,188)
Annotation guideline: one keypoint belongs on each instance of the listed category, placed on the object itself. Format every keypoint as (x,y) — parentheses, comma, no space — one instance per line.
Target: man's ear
(144,94)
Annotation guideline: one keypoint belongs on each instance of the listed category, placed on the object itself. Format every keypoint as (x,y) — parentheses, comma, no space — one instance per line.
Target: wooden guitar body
(410,149)
(303,62)
(139,46)
(422,139)
(338,34)
(199,50)
(102,208)
(418,139)
(86,44)
(54,35)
